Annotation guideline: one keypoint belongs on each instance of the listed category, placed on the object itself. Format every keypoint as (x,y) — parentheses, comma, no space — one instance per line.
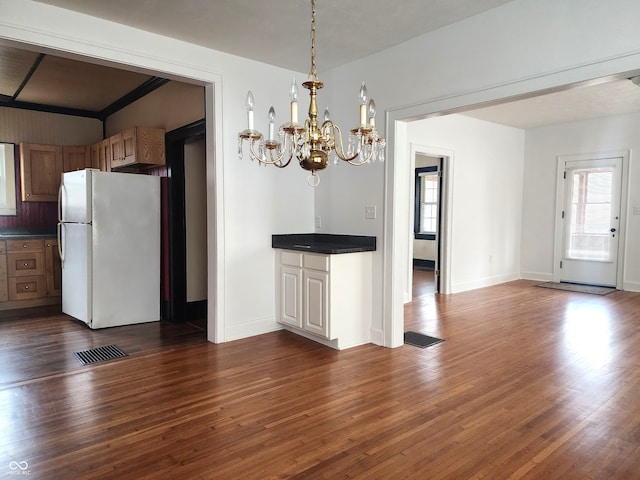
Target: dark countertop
(29,232)
(324,243)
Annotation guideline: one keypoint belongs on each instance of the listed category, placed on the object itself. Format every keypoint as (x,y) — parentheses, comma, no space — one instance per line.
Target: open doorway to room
(426,220)
(187,224)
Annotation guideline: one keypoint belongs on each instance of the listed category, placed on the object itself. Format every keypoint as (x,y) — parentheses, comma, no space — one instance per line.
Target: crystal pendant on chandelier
(313,143)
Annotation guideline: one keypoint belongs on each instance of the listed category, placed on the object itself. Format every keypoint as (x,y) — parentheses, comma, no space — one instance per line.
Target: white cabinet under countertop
(325,297)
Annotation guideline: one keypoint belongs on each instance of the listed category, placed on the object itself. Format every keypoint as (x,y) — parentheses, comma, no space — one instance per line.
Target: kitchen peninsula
(324,287)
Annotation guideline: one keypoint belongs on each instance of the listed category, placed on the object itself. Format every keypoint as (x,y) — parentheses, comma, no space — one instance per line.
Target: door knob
(612,230)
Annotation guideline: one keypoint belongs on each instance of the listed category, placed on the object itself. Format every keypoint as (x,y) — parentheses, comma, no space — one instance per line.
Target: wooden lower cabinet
(32,273)
(4,283)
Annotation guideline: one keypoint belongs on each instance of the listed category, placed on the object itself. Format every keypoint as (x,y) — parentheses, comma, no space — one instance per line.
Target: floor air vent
(100,354)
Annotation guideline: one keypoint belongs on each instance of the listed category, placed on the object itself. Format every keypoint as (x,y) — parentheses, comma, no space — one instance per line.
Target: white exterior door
(591,221)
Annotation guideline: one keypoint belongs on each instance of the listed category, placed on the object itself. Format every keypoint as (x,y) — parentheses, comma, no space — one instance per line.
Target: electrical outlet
(370,212)
(636,210)
(318,221)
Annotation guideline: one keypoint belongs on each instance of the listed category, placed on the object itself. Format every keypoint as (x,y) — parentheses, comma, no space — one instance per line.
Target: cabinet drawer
(3,247)
(26,288)
(24,264)
(317,262)
(15,246)
(291,258)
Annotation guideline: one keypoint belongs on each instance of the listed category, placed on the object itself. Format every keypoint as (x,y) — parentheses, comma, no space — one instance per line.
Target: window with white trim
(426,203)
(7,179)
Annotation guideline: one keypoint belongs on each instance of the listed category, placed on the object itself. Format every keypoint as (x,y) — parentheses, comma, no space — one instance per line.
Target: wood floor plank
(529,383)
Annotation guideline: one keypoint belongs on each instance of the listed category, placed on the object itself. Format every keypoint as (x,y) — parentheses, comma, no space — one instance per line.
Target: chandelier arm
(337,140)
(282,165)
(361,162)
(256,156)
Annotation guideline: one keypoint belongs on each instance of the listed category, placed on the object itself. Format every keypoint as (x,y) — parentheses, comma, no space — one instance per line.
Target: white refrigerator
(109,242)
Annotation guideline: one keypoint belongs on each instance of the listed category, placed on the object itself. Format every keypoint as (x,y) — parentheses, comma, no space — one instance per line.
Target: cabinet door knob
(24,246)
(26,264)
(26,287)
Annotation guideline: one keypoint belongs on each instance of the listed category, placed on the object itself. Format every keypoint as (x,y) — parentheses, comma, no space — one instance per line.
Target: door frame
(443,260)
(177,310)
(560,192)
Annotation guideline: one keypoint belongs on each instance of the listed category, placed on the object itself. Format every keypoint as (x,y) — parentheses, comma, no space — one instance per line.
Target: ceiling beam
(135,94)
(38,107)
(28,76)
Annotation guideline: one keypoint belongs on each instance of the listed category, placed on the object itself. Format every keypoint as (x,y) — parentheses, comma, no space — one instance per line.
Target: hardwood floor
(530,383)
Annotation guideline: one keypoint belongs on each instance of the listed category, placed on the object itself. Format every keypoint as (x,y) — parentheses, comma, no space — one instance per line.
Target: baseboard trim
(250,329)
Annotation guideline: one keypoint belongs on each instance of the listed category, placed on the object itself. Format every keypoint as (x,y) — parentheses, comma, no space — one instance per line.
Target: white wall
(246,204)
(543,146)
(486,206)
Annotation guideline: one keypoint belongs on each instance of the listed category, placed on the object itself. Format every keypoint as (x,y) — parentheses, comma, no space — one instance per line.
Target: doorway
(427,215)
(187,240)
(588,234)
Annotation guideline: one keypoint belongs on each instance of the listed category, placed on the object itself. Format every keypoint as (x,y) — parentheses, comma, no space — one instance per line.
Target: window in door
(7,180)
(589,235)
(426,203)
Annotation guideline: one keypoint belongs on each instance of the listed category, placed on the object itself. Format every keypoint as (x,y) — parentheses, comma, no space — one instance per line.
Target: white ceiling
(277,32)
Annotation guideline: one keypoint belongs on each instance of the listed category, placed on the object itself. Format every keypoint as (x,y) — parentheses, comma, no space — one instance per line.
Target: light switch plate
(636,210)
(370,212)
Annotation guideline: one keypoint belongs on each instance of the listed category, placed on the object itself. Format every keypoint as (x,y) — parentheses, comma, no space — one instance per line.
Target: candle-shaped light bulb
(363,104)
(326,114)
(372,113)
(251,103)
(272,123)
(293,96)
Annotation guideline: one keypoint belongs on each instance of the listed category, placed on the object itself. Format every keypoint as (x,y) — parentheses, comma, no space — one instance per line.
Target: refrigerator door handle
(60,201)
(60,249)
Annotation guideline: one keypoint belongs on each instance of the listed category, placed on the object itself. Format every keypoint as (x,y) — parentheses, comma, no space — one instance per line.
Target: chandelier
(313,144)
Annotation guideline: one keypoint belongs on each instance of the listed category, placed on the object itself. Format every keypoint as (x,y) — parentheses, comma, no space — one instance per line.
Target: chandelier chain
(312,74)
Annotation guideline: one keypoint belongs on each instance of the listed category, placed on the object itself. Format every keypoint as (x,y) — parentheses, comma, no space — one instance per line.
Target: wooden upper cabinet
(94,152)
(41,167)
(116,153)
(76,158)
(104,155)
(101,155)
(138,146)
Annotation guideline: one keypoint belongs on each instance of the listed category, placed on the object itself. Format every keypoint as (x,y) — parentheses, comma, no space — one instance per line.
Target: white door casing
(590,206)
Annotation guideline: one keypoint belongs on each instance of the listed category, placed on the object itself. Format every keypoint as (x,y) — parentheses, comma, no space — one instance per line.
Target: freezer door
(76,270)
(75,196)
(126,249)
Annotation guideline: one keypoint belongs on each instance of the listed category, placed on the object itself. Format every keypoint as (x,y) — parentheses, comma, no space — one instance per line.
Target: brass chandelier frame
(314,142)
